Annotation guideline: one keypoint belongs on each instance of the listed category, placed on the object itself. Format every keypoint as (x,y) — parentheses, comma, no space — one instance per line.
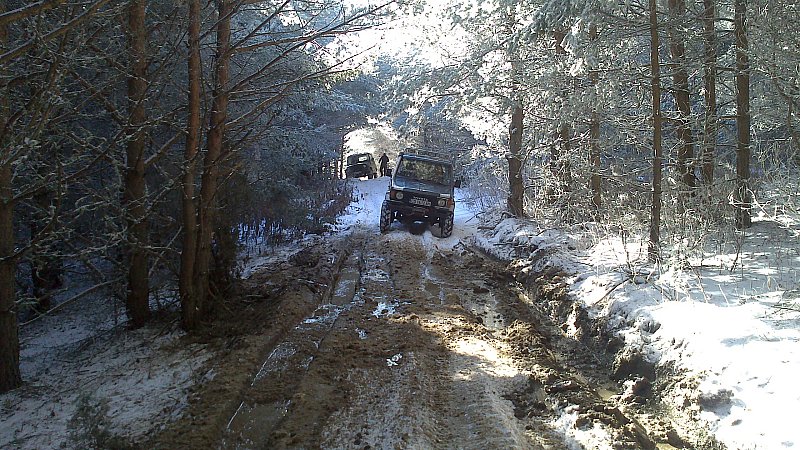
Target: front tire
(446,224)
(386,218)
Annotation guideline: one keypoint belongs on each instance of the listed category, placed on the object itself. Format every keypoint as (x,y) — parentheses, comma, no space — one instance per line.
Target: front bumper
(431,214)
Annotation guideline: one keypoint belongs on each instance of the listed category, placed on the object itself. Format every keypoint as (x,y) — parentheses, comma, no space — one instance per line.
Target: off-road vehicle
(421,189)
(361,165)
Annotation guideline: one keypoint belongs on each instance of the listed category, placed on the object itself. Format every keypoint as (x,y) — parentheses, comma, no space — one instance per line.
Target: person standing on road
(384,161)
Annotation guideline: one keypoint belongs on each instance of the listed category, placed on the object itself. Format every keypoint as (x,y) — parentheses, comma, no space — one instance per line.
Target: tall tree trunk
(564,167)
(559,164)
(137,302)
(790,126)
(653,249)
(10,376)
(594,136)
(214,144)
(680,91)
(339,162)
(742,197)
(559,152)
(46,269)
(516,188)
(710,91)
(516,195)
(189,306)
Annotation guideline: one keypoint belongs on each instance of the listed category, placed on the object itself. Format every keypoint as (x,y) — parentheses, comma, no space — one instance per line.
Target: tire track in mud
(275,389)
(478,373)
(426,348)
(434,397)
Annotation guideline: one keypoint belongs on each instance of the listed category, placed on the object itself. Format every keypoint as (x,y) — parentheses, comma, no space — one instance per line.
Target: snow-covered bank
(86,388)
(735,332)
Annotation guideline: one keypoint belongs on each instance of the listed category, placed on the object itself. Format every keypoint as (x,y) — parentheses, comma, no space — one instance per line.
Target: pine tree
(654,244)
(742,195)
(134,193)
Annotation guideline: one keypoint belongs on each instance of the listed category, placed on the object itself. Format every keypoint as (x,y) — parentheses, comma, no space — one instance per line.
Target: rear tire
(446,224)
(386,218)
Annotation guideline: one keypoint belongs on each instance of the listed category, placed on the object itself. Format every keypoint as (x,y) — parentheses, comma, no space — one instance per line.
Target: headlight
(398,195)
(442,202)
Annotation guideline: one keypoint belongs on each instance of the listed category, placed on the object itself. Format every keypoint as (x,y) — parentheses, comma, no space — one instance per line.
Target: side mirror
(457,183)
(389,172)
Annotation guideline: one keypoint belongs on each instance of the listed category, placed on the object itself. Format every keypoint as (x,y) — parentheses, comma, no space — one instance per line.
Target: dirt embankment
(381,342)
(641,389)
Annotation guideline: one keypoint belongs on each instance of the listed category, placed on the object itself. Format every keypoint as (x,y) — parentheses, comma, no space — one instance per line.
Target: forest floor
(422,347)
(503,337)
(415,346)
(404,340)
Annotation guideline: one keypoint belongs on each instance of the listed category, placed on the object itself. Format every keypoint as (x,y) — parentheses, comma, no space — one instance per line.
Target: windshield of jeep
(425,171)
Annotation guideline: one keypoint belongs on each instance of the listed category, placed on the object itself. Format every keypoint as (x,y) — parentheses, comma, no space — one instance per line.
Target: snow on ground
(731,320)
(729,328)
(88,380)
(260,254)
(114,384)
(366,208)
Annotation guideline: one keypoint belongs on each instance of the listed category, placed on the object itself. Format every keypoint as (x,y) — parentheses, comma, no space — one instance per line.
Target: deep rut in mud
(420,347)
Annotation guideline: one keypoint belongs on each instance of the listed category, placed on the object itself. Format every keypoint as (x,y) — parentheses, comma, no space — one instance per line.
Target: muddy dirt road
(390,341)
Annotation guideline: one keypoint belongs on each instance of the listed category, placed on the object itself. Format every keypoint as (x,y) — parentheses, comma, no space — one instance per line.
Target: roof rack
(430,153)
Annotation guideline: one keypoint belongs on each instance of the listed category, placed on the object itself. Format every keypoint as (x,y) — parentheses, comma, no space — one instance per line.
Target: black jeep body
(361,165)
(421,189)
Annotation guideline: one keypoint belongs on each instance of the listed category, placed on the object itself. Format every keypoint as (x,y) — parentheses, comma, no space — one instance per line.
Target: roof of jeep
(360,154)
(424,158)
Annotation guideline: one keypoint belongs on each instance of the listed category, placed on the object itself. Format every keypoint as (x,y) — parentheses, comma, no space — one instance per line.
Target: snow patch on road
(595,437)
(385,309)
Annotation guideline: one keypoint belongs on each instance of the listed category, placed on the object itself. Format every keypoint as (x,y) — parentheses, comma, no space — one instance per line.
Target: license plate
(420,201)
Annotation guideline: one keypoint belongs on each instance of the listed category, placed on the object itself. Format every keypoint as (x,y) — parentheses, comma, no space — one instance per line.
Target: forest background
(142,142)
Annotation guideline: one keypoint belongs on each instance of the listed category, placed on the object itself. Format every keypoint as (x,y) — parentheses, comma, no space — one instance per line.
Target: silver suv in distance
(361,165)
